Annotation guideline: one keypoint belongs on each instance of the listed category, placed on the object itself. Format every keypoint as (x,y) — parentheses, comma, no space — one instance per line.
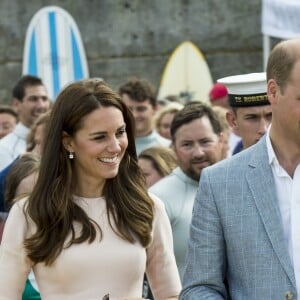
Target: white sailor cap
(247,89)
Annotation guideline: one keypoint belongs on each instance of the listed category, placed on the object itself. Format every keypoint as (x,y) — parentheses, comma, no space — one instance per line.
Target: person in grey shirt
(196,140)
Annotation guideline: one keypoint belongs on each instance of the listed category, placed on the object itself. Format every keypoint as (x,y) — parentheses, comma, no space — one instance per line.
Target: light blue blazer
(236,234)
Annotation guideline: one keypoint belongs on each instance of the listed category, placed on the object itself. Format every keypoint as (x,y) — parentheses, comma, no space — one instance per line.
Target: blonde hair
(163,159)
(172,108)
(221,114)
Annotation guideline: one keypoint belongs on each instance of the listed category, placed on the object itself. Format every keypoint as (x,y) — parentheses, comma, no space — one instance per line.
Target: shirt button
(289,295)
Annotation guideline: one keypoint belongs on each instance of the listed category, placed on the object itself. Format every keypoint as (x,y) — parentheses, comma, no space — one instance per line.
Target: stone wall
(124,38)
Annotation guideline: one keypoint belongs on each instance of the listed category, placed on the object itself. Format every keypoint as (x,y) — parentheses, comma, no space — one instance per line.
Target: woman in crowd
(226,130)
(21,178)
(89,229)
(164,118)
(156,163)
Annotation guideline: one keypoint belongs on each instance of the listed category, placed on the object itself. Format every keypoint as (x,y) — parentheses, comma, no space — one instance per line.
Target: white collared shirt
(288,192)
(12,145)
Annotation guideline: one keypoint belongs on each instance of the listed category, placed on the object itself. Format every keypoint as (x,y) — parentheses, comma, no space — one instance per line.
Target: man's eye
(186,145)
(251,117)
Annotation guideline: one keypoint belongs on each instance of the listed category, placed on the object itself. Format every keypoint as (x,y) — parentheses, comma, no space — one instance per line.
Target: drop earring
(71,155)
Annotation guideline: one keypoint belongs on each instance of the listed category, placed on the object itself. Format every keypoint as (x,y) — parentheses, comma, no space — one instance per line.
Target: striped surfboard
(54,50)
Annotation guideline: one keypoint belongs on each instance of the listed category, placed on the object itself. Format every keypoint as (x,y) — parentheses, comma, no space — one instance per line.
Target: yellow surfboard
(186,74)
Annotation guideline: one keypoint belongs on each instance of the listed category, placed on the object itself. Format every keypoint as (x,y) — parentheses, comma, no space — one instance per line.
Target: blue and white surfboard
(54,50)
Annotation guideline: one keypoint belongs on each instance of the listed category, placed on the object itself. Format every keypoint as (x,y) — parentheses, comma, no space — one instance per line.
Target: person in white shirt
(8,120)
(30,99)
(244,236)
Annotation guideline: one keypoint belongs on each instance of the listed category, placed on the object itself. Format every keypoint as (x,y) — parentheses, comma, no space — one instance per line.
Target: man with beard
(197,140)
(30,100)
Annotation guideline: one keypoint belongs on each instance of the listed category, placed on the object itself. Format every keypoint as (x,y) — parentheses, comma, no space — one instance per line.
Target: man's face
(251,123)
(197,146)
(34,103)
(286,108)
(143,113)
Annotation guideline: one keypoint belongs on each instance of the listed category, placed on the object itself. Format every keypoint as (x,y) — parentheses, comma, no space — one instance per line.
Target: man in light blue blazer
(245,232)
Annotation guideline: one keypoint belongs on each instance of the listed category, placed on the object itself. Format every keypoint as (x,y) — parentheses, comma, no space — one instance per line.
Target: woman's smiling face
(98,146)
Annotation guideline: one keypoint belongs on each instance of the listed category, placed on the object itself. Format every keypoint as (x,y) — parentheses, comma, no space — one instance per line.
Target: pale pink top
(90,271)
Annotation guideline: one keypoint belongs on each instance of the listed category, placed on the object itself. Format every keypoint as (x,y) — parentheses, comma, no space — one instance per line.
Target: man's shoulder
(168,184)
(12,142)
(161,140)
(155,139)
(151,140)
(237,162)
(7,140)
(10,147)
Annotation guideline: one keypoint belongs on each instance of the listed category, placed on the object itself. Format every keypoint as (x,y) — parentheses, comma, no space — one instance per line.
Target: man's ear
(172,146)
(15,104)
(155,108)
(232,121)
(67,142)
(273,90)
(221,137)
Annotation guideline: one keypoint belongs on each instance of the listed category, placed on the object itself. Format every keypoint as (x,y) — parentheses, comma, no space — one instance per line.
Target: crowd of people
(119,195)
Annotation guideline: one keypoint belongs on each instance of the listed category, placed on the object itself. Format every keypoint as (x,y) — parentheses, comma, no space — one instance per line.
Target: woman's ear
(67,142)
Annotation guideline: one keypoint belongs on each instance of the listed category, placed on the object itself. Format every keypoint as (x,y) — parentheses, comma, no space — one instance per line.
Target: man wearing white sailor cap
(250,113)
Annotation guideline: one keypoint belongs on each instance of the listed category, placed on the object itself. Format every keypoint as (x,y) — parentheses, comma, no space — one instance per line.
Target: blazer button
(289,295)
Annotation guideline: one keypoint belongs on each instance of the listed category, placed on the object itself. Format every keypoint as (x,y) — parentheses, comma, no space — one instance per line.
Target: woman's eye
(121,132)
(100,137)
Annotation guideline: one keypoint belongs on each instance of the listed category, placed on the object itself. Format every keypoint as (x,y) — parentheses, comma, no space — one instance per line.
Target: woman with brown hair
(21,178)
(89,228)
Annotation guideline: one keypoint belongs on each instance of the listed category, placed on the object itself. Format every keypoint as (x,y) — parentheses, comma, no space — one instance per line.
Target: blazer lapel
(262,186)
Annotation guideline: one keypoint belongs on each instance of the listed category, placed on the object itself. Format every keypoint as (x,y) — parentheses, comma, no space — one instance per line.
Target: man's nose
(263,126)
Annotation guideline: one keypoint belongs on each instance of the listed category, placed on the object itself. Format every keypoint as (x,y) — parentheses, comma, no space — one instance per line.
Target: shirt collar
(271,153)
(21,130)
(273,161)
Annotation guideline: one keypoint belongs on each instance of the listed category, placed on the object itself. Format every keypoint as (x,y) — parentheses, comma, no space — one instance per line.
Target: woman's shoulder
(20,204)
(17,213)
(158,203)
(17,223)
(159,207)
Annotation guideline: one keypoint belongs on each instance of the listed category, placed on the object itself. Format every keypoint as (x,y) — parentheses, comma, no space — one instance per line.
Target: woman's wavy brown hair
(50,205)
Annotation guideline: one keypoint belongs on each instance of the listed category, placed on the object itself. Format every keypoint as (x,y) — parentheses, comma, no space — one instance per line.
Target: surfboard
(54,50)
(186,74)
